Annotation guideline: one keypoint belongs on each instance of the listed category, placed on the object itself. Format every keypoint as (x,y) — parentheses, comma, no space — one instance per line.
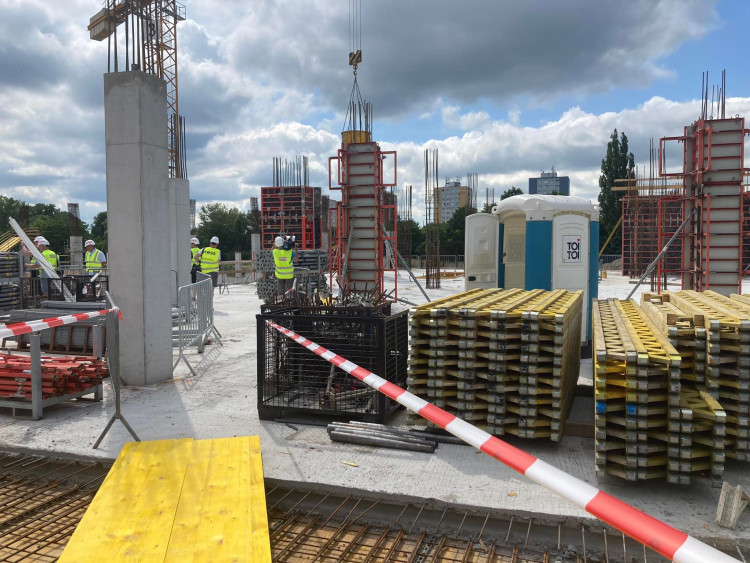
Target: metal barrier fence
(195,318)
(234,272)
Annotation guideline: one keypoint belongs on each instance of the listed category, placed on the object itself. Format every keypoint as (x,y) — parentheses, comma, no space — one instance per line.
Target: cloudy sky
(502,88)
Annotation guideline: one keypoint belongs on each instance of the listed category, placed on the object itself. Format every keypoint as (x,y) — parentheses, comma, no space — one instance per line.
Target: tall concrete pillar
(76,252)
(139,257)
(255,244)
(179,224)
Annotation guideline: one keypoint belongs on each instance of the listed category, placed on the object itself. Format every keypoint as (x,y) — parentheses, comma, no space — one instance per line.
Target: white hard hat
(195,241)
(278,241)
(44,241)
(89,243)
(214,240)
(38,239)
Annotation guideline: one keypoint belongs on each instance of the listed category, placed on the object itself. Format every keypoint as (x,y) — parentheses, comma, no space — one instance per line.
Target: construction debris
(507,360)
(732,502)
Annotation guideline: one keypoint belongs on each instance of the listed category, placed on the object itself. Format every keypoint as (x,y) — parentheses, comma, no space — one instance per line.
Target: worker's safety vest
(94,260)
(193,252)
(283,261)
(210,260)
(49,256)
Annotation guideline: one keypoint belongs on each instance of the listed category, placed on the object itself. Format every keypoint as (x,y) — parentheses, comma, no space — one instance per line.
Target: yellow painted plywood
(131,517)
(178,500)
(222,511)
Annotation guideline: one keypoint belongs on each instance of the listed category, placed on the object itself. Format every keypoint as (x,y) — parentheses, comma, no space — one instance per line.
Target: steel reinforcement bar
(653,533)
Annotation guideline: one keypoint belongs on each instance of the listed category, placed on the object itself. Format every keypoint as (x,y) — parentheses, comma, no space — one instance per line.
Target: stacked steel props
(60,375)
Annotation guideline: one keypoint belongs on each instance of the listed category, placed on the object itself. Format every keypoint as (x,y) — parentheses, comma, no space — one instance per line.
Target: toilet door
(570,267)
(514,251)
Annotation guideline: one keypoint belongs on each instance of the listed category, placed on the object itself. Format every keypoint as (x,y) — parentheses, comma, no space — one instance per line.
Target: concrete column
(179,223)
(76,252)
(255,244)
(135,119)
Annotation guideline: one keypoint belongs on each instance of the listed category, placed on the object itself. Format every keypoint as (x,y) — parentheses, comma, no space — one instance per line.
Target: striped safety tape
(662,538)
(34,326)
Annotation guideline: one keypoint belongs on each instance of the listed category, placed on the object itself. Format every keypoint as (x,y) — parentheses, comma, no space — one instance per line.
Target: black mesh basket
(294,382)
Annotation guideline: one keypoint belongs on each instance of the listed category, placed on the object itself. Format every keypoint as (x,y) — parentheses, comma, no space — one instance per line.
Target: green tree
(56,227)
(231,225)
(99,231)
(453,231)
(9,207)
(511,192)
(488,207)
(256,222)
(618,164)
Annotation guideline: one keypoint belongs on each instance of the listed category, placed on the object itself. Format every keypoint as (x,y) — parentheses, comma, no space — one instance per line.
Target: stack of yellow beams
(727,370)
(551,332)
(178,500)
(466,358)
(697,422)
(634,364)
(427,364)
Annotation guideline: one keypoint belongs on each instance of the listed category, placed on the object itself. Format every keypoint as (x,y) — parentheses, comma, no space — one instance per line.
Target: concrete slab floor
(221,401)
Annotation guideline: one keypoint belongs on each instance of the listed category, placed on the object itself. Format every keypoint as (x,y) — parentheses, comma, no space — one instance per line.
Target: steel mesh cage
(293,381)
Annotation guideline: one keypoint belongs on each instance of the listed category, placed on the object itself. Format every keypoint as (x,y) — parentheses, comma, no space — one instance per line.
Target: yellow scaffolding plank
(178,500)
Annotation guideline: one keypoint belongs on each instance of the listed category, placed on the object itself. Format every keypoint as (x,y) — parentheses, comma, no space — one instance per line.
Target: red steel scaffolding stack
(291,206)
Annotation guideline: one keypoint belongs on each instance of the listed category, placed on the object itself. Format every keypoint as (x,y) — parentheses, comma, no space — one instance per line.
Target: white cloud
(270,79)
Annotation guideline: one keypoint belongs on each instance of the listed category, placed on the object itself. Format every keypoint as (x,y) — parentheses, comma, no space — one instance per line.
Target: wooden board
(178,500)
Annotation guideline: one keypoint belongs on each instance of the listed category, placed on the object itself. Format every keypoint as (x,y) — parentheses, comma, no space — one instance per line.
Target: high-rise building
(550,183)
(449,198)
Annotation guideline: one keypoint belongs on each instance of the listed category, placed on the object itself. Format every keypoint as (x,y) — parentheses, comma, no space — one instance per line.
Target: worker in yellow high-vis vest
(283,259)
(51,258)
(94,258)
(194,265)
(209,259)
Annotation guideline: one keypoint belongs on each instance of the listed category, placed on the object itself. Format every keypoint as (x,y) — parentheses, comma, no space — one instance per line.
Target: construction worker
(194,265)
(283,259)
(51,259)
(209,259)
(95,259)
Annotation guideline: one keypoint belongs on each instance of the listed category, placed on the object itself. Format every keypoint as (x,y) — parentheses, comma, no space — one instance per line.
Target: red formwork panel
(290,210)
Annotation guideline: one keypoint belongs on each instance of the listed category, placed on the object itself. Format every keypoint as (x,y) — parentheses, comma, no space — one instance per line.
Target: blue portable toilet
(534,241)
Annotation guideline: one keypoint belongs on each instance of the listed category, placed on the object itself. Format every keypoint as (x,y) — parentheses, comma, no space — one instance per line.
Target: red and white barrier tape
(34,326)
(662,538)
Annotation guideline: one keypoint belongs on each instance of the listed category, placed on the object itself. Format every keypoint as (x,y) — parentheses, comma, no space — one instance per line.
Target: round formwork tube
(651,532)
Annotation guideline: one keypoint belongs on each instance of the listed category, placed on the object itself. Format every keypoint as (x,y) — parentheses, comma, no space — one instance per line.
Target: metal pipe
(663,250)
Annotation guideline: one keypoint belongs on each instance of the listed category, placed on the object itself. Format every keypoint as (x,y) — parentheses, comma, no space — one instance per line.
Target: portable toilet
(533,241)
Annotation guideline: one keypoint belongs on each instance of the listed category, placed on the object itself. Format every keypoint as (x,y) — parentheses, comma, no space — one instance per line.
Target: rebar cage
(293,381)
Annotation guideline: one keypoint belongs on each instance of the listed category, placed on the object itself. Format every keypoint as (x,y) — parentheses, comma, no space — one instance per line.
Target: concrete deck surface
(221,402)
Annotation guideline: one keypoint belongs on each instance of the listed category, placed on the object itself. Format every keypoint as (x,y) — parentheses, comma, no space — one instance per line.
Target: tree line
(55,225)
